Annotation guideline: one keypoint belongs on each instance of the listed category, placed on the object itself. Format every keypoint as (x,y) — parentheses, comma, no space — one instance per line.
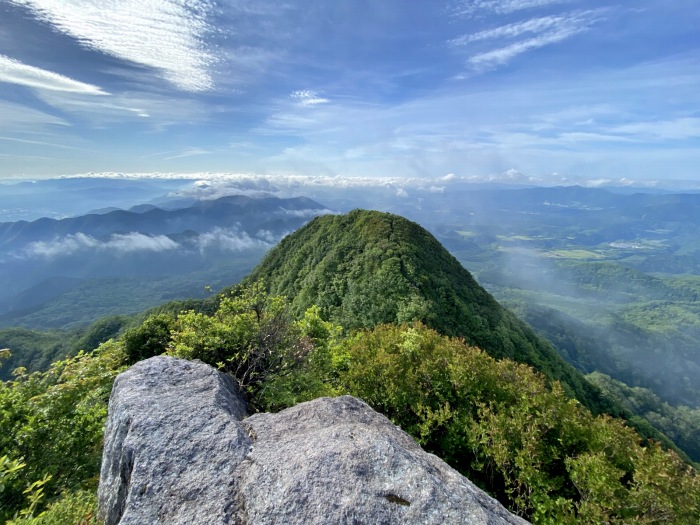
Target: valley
(612,280)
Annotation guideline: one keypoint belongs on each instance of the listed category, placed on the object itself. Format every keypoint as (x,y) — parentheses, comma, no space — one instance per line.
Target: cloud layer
(122,243)
(223,239)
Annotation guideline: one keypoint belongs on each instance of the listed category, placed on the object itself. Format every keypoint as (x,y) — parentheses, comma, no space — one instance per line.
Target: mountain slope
(367,268)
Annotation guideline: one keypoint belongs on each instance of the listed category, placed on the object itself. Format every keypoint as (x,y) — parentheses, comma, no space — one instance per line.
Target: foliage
(251,336)
(35,350)
(681,423)
(9,470)
(54,421)
(640,329)
(75,508)
(366,268)
(542,454)
(665,364)
(148,339)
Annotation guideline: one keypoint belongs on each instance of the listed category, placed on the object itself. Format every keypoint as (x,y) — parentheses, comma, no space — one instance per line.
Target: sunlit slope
(366,268)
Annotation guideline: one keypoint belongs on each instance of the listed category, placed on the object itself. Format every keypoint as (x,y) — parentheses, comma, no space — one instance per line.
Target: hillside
(366,268)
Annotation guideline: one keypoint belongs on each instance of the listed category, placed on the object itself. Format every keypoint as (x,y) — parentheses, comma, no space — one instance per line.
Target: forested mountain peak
(366,268)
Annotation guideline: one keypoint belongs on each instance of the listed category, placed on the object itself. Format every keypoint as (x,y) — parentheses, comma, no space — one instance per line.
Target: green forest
(371,305)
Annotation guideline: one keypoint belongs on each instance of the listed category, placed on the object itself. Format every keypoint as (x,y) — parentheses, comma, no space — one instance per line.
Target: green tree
(150,338)
(251,336)
(53,421)
(507,428)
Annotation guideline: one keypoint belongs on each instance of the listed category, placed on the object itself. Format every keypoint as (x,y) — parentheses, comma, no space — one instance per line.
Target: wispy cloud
(307,97)
(505,54)
(229,239)
(167,35)
(17,118)
(16,72)
(542,31)
(40,143)
(535,25)
(139,108)
(471,7)
(678,129)
(189,152)
(123,243)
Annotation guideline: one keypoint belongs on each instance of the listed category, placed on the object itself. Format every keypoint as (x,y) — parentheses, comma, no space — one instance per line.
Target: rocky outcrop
(179,451)
(173,445)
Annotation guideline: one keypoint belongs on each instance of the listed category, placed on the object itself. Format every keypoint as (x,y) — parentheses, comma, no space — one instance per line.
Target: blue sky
(539,90)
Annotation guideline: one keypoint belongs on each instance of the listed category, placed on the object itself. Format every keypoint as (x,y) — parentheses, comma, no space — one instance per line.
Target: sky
(531,90)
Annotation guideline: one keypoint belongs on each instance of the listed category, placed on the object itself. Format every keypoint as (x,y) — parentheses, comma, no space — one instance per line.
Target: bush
(540,453)
(149,339)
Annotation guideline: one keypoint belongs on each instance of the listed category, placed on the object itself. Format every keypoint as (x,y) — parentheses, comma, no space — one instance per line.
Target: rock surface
(178,451)
(173,443)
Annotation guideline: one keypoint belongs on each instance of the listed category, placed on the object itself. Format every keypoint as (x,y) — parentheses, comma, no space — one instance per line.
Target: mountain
(252,214)
(367,268)
(59,272)
(69,197)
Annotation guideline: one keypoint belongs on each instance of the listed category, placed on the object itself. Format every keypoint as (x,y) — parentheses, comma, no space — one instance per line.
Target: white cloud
(471,7)
(285,185)
(155,111)
(189,152)
(228,239)
(267,236)
(535,25)
(40,143)
(548,30)
(307,97)
(167,35)
(16,118)
(15,72)
(135,242)
(123,243)
(505,54)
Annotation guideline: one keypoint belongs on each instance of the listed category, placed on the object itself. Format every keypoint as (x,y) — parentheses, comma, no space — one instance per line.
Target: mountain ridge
(155,221)
(367,268)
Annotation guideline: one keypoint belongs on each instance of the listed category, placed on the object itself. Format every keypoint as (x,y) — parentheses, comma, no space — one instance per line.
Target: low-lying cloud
(78,242)
(228,239)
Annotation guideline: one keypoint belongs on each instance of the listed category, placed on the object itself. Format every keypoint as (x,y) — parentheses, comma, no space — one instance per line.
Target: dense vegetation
(642,330)
(91,299)
(367,268)
(51,439)
(376,309)
(679,423)
(507,427)
(35,350)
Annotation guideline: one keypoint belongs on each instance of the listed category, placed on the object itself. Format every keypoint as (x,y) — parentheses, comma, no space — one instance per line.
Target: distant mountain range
(43,260)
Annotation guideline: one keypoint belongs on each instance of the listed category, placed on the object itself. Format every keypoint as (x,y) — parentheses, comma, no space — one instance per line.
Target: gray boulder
(179,451)
(173,443)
